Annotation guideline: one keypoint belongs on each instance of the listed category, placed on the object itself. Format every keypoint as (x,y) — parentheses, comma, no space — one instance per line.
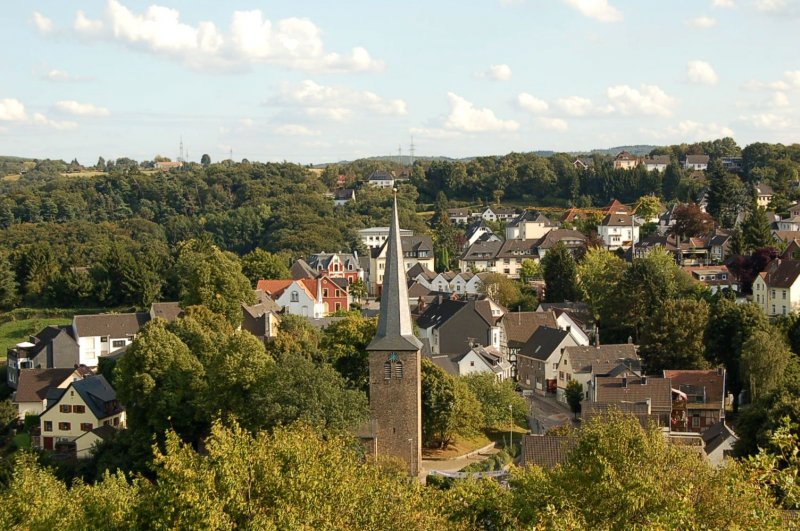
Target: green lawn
(14,332)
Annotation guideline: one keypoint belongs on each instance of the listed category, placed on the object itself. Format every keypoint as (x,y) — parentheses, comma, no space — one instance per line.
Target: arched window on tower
(398,370)
(387,371)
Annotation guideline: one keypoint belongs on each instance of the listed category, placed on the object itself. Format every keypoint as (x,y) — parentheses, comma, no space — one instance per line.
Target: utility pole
(411,151)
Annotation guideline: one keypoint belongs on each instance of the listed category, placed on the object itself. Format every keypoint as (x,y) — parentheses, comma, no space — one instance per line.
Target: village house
(630,388)
(618,231)
(546,451)
(584,363)
(336,265)
(478,360)
(625,161)
(699,402)
(496,213)
(52,348)
(309,297)
(105,334)
(537,361)
(342,196)
(657,163)
(478,231)
(790,224)
(520,327)
(717,278)
(776,290)
(375,237)
(34,384)
(416,249)
(381,179)
(452,327)
(459,216)
(76,409)
(696,162)
(764,194)
(718,442)
(530,225)
(583,163)
(261,319)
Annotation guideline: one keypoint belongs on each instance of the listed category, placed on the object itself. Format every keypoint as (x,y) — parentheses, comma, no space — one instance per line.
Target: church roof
(395,328)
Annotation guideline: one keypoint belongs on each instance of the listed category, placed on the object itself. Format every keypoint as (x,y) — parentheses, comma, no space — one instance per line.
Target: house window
(695,421)
(561,375)
(86,426)
(64,426)
(79,409)
(338,306)
(471,363)
(398,370)
(325,293)
(65,408)
(118,343)
(784,294)
(387,371)
(773,294)
(48,425)
(104,339)
(295,297)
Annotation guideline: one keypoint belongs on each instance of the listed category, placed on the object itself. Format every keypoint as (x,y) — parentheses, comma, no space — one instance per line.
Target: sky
(314,81)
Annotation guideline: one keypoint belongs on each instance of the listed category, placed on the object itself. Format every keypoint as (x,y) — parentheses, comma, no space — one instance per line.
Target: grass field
(14,332)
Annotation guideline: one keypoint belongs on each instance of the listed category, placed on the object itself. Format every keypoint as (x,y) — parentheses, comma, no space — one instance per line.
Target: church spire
(395,329)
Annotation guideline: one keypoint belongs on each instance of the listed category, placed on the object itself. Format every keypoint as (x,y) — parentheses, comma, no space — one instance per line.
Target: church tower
(395,374)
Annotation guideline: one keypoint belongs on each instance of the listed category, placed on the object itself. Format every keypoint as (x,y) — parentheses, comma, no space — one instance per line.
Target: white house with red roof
(295,297)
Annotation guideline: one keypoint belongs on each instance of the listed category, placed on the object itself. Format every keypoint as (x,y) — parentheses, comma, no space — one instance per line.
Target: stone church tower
(395,375)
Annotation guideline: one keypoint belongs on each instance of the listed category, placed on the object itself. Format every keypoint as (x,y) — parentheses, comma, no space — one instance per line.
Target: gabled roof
(166,310)
(532,216)
(381,175)
(477,250)
(583,357)
(417,290)
(410,244)
(716,435)
(34,383)
(697,159)
(764,189)
(570,238)
(517,248)
(546,451)
(110,324)
(543,343)
(264,304)
(96,392)
(46,336)
(420,269)
(324,260)
(613,390)
(578,311)
(520,326)
(301,269)
(344,194)
(619,220)
(274,288)
(615,206)
(657,159)
(782,273)
(624,155)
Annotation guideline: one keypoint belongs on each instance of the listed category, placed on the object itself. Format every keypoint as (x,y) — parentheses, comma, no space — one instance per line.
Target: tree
(691,221)
(448,407)
(764,359)
(205,160)
(738,245)
(213,278)
(530,270)
(648,207)
(358,290)
(500,288)
(560,276)
(344,345)
(599,273)
(8,283)
(778,464)
(574,396)
(498,399)
(673,339)
(259,264)
(730,325)
(756,229)
(160,382)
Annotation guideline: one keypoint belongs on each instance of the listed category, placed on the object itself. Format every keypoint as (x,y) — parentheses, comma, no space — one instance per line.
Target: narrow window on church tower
(387,371)
(398,370)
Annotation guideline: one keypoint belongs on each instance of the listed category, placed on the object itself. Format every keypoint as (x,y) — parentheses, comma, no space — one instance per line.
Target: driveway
(546,412)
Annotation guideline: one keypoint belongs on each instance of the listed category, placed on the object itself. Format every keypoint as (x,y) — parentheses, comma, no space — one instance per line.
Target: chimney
(596,337)
(319,289)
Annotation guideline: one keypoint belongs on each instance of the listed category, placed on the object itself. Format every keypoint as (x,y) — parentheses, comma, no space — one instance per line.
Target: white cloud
(296,130)
(532,103)
(58,75)
(336,103)
(701,72)
(697,131)
(768,121)
(81,109)
(497,72)
(464,116)
(42,23)
(41,119)
(575,105)
(597,9)
(553,124)
(294,43)
(791,80)
(771,6)
(723,3)
(779,99)
(12,110)
(434,133)
(702,22)
(650,100)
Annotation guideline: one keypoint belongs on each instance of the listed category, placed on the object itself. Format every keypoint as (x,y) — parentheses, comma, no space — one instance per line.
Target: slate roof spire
(395,329)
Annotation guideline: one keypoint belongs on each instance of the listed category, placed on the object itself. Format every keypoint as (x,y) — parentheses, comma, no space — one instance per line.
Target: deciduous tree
(560,278)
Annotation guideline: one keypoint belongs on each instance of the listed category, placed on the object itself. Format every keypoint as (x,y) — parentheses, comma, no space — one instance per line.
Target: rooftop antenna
(411,151)
(180,151)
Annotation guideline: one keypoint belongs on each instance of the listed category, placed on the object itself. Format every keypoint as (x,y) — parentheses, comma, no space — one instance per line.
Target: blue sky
(316,81)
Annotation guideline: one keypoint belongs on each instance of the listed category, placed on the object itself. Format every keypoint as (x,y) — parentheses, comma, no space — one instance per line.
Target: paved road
(454,465)
(547,412)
